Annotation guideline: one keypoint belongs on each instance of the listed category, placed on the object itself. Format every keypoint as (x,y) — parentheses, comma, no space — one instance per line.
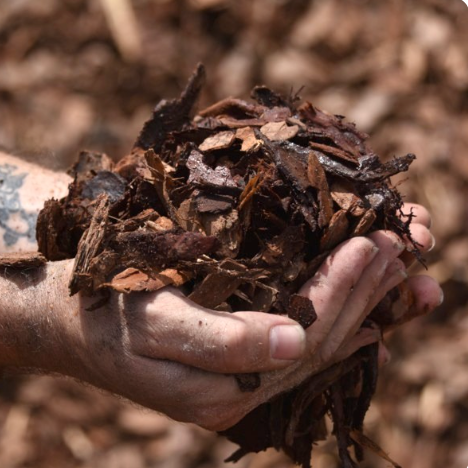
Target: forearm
(24,187)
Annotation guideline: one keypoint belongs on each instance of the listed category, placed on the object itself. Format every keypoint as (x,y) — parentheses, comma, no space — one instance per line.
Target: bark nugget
(240,204)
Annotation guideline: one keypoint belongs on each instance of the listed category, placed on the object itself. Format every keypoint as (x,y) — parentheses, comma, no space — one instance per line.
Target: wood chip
(218,141)
(344,196)
(249,140)
(279,131)
(336,232)
(133,280)
(22,260)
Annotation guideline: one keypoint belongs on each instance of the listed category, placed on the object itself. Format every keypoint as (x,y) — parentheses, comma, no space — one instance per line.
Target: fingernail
(400,246)
(397,269)
(400,273)
(287,342)
(441,298)
(433,243)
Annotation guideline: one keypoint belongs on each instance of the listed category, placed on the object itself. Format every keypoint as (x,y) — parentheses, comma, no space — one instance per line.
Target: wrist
(37,317)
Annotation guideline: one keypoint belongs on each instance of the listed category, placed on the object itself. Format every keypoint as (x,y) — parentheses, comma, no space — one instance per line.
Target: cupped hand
(165,352)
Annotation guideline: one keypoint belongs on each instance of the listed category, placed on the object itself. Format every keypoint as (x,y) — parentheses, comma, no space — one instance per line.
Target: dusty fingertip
(396,241)
(373,247)
(384,356)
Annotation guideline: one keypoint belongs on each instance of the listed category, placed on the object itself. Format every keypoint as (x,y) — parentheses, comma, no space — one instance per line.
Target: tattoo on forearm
(14,220)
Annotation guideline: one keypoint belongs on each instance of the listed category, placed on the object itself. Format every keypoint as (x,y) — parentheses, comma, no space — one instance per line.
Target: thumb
(167,325)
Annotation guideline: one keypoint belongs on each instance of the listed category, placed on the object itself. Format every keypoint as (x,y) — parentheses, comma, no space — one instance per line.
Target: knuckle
(228,351)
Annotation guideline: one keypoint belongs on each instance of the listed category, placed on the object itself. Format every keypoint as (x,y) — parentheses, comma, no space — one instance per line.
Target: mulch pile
(399,69)
(240,205)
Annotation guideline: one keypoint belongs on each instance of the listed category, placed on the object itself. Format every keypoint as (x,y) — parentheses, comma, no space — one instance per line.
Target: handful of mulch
(238,205)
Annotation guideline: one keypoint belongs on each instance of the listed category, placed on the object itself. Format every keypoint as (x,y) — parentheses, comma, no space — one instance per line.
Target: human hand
(167,353)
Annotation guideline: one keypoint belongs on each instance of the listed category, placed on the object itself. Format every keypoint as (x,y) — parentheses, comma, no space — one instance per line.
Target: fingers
(394,275)
(356,307)
(363,337)
(169,326)
(330,288)
(426,295)
(212,401)
(422,236)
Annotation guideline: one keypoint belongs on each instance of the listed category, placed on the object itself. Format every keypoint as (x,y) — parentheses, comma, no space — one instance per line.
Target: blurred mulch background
(80,74)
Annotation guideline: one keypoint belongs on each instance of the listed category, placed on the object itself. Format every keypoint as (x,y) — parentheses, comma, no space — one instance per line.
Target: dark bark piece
(215,289)
(89,247)
(161,248)
(49,227)
(268,98)
(318,180)
(370,373)
(339,429)
(343,135)
(104,183)
(169,116)
(336,232)
(302,310)
(213,203)
(233,107)
(387,170)
(89,164)
(332,151)
(248,382)
(365,223)
(22,260)
(344,195)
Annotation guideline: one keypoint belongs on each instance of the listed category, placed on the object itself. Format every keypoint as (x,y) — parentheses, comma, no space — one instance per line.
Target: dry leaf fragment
(218,141)
(279,131)
(249,140)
